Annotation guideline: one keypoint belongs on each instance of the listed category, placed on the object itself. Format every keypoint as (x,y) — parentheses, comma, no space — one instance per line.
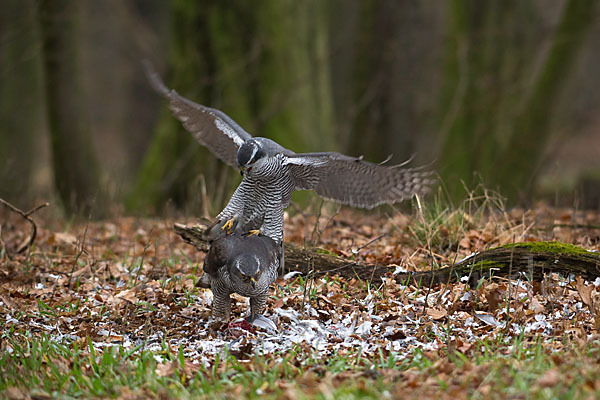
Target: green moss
(549,247)
(487,264)
(320,250)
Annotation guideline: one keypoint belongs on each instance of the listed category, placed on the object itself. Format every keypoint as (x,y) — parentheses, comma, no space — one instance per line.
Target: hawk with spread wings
(271,172)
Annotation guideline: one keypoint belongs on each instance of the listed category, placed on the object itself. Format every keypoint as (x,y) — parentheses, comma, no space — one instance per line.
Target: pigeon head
(250,152)
(246,268)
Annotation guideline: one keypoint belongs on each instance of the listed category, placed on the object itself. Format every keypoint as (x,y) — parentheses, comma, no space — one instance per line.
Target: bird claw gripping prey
(271,172)
(228,225)
(252,232)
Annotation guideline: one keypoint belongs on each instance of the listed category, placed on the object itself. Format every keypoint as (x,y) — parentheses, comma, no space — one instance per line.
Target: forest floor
(110,309)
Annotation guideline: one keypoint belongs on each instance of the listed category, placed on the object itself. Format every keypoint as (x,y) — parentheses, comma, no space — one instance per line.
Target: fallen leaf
(62,238)
(585,292)
(437,313)
(536,306)
(15,393)
(9,302)
(128,294)
(465,243)
(494,297)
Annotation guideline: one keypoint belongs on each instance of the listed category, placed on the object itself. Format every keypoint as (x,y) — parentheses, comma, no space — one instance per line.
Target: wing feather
(355,182)
(212,128)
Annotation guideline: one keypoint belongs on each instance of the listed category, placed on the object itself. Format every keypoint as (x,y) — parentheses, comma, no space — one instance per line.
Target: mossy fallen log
(533,259)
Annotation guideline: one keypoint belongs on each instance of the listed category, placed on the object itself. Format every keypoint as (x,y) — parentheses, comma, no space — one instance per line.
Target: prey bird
(271,172)
(245,264)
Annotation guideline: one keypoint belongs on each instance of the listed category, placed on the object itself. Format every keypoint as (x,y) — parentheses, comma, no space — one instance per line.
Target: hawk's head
(246,268)
(250,152)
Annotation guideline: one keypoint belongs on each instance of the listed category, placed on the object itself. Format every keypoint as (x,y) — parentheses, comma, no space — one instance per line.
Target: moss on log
(534,259)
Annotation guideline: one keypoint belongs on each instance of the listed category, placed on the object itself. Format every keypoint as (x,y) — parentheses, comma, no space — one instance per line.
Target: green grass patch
(40,366)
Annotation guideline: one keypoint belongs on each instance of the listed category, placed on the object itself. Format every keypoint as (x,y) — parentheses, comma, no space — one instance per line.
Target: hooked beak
(245,169)
(253,282)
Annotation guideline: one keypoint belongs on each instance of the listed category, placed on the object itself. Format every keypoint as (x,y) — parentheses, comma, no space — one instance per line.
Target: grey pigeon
(244,264)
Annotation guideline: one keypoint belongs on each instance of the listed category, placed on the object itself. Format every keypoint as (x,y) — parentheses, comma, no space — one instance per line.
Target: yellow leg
(254,232)
(228,225)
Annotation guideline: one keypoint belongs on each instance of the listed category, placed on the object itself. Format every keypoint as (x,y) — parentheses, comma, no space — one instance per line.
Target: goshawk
(244,264)
(271,172)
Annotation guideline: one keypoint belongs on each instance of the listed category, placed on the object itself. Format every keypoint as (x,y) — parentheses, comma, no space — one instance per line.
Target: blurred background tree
(76,172)
(20,98)
(499,92)
(498,105)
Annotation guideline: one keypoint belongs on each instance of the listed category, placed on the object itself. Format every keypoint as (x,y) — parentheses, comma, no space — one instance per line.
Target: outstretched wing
(352,181)
(212,128)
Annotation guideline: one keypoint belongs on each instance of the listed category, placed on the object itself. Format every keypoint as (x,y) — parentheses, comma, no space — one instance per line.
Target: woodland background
(498,97)
(499,92)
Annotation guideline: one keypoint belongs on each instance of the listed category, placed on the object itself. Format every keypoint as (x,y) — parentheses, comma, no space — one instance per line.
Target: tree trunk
(174,160)
(532,128)
(20,97)
(492,123)
(531,259)
(379,53)
(293,92)
(76,174)
(478,78)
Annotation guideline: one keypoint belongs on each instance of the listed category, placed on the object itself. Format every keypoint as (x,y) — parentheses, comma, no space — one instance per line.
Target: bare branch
(27,216)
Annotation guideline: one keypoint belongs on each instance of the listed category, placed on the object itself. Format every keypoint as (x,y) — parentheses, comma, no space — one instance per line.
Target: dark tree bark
(206,46)
(494,122)
(488,57)
(532,260)
(381,61)
(76,173)
(20,97)
(532,128)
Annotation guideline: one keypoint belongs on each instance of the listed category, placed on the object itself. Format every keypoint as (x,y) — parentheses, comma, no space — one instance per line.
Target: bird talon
(254,232)
(228,225)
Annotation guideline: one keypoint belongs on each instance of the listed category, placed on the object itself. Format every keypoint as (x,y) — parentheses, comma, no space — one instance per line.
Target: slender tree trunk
(385,79)
(19,97)
(494,122)
(532,127)
(294,104)
(76,173)
(203,37)
(473,87)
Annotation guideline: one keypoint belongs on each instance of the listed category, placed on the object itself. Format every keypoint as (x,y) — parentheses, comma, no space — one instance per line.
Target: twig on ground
(3,245)
(428,237)
(81,250)
(27,216)
(146,247)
